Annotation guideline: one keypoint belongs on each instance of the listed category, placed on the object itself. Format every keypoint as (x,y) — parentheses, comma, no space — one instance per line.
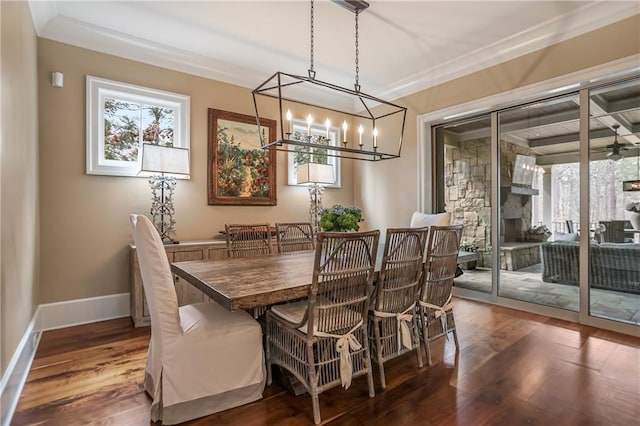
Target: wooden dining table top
(251,282)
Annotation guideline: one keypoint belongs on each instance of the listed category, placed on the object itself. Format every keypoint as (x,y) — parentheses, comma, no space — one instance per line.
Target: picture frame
(240,172)
(299,127)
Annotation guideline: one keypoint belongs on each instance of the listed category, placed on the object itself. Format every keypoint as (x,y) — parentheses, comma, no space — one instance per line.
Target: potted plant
(340,218)
(538,234)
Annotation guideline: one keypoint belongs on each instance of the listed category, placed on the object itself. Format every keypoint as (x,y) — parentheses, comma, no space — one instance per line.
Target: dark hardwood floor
(512,368)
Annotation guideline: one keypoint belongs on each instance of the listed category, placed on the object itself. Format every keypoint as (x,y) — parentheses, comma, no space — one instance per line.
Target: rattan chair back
(295,237)
(326,344)
(342,280)
(439,270)
(248,240)
(393,329)
(402,266)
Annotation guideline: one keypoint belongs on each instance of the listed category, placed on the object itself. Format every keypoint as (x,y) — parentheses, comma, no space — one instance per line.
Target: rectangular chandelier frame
(273,88)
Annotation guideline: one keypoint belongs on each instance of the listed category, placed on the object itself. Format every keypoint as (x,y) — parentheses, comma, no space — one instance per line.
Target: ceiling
(405,46)
(550,128)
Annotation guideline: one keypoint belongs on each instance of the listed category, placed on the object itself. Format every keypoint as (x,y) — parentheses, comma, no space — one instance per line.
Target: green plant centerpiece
(340,218)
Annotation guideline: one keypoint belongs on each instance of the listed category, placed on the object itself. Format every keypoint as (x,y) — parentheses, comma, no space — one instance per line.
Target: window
(121,117)
(299,129)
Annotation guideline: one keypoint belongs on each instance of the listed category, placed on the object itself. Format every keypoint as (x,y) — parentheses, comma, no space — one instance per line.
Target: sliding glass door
(539,195)
(464,152)
(549,195)
(614,170)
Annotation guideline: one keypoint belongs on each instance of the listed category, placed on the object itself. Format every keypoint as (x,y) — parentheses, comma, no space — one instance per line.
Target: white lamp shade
(315,173)
(165,159)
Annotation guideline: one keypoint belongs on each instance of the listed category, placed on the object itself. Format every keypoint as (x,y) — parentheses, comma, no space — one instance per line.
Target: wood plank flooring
(512,368)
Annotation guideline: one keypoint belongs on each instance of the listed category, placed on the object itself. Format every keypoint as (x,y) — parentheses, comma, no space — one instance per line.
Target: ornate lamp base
(162,209)
(315,194)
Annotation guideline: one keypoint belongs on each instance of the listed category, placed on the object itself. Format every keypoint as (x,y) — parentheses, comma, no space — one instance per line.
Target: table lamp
(316,175)
(166,163)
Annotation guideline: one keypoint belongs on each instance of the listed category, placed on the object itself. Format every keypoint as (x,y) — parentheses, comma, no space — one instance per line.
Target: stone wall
(468,188)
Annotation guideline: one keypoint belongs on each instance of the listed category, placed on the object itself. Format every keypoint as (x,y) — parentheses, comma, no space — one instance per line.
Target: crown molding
(100,39)
(41,13)
(561,28)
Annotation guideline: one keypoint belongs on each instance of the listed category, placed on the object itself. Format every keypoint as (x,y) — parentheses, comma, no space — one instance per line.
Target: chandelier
(379,124)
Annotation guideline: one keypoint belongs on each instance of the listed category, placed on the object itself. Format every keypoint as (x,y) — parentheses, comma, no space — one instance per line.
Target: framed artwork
(303,155)
(121,117)
(240,172)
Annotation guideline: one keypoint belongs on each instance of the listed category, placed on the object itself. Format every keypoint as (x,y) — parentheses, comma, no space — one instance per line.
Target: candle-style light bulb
(309,123)
(344,131)
(289,117)
(328,124)
(375,138)
(360,131)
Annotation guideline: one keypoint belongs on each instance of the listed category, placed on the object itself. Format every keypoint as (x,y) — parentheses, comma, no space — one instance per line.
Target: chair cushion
(294,312)
(419,220)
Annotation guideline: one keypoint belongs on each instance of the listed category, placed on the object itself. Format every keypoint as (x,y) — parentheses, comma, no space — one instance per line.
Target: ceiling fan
(616,148)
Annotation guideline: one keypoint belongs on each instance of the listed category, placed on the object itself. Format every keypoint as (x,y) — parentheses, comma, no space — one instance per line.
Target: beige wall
(84,218)
(19,177)
(389,188)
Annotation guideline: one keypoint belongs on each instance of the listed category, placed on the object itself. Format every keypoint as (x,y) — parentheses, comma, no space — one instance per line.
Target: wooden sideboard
(187,250)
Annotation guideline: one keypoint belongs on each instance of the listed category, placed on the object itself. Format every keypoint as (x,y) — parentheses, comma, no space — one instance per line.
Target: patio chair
(393,327)
(322,341)
(614,231)
(571,227)
(248,240)
(294,237)
(435,306)
(202,358)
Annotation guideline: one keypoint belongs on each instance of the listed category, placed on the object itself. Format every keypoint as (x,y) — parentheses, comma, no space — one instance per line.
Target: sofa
(612,266)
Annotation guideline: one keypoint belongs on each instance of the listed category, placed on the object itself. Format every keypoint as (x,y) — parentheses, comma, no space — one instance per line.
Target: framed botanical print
(240,172)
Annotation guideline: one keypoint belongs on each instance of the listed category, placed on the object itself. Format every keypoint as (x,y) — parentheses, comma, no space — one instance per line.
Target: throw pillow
(419,220)
(561,236)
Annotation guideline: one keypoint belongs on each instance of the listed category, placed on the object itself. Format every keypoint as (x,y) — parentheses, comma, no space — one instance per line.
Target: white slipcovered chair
(202,358)
(419,220)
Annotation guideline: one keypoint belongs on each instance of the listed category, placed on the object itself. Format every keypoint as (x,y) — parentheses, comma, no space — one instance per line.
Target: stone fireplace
(468,197)
(511,230)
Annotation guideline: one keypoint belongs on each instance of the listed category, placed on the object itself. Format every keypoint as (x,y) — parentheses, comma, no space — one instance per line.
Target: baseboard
(50,316)
(16,373)
(82,311)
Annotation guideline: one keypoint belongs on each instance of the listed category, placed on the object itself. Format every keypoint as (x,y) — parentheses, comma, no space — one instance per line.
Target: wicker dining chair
(435,306)
(335,348)
(295,237)
(393,326)
(248,240)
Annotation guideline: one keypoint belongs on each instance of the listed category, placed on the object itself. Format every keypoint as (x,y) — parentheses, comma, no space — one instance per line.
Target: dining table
(253,282)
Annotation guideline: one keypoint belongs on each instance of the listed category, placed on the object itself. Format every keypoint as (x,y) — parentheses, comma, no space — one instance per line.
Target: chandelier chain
(357,84)
(311,44)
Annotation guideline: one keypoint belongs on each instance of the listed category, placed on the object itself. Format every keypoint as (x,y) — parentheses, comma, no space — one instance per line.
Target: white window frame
(97,90)
(316,129)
